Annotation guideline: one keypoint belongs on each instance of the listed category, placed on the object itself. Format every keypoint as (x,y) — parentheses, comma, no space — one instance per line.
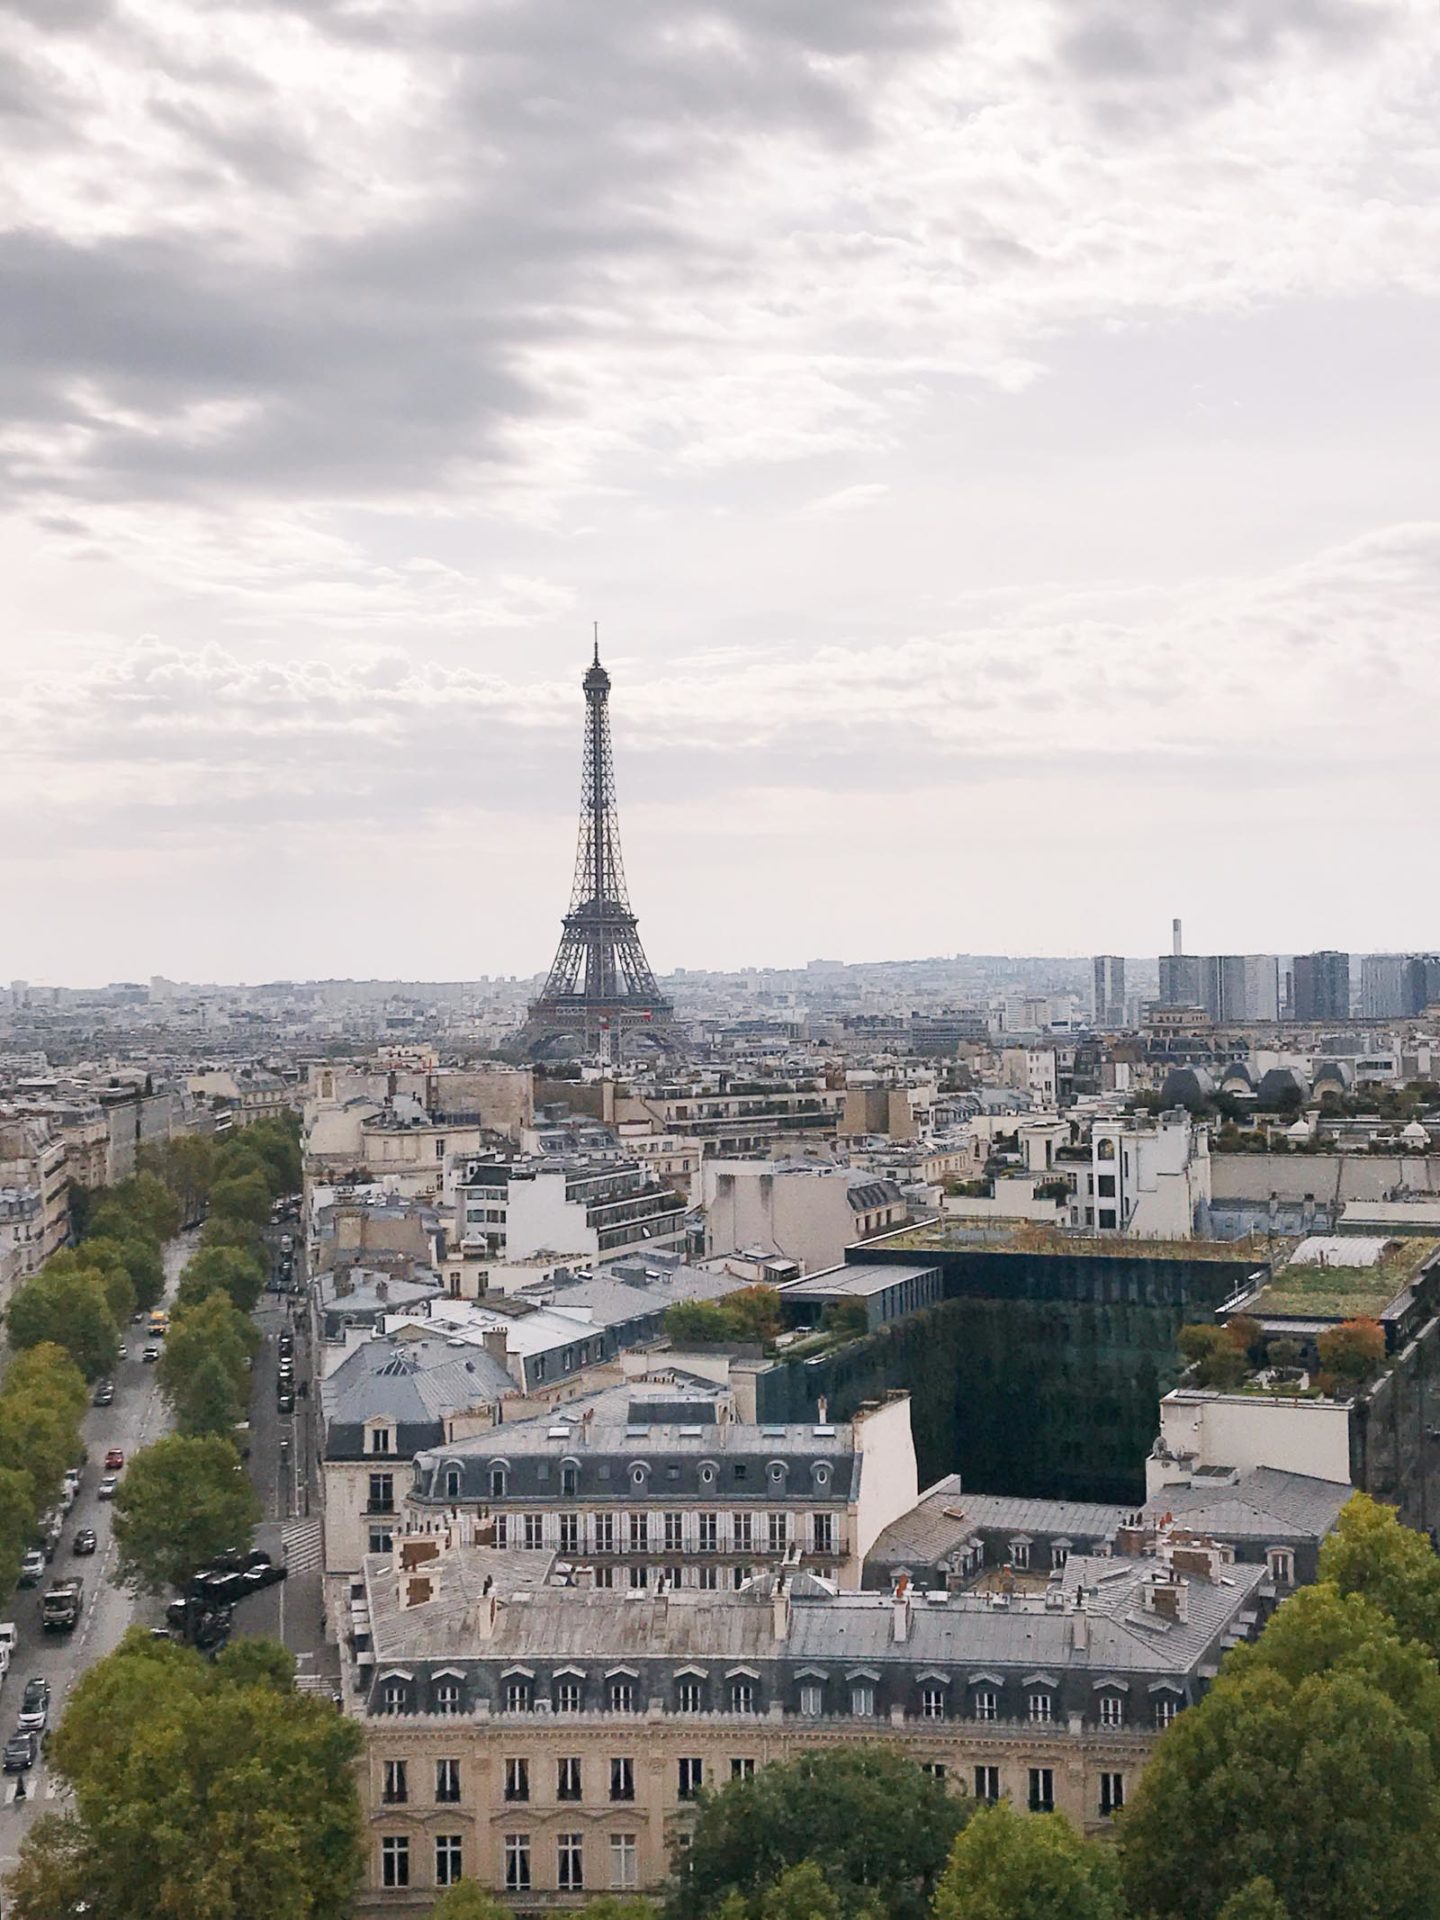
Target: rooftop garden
(1026,1236)
(1340,1292)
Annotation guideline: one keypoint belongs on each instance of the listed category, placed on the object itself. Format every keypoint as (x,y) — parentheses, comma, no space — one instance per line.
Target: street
(138,1416)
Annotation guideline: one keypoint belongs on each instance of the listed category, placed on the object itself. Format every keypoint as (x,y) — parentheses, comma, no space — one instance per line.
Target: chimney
(414,1553)
(900,1611)
(417,1591)
(1177,943)
(1080,1626)
(780,1608)
(496,1342)
(1168,1598)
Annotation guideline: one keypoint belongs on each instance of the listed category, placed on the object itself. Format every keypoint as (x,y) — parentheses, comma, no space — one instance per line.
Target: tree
(17,1521)
(468,1901)
(183,1500)
(1393,1567)
(697,1321)
(242,1196)
(753,1313)
(70,1310)
(801,1892)
(1352,1352)
(205,1329)
(208,1402)
(143,1201)
(1256,1900)
(847,1318)
(1214,1353)
(225,1269)
(221,1230)
(877,1828)
(199,1789)
(47,1372)
(1010,1866)
(1326,1787)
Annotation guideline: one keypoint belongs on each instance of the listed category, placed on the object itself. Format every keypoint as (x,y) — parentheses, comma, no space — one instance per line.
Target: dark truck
(62,1605)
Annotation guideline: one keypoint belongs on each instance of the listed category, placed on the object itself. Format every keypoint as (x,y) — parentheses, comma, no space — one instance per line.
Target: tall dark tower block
(600,988)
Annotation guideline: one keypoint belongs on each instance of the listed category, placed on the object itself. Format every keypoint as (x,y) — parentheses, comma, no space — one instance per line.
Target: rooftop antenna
(596,625)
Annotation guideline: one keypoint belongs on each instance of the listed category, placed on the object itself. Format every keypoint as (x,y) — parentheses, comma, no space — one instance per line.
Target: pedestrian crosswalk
(38,1786)
(303,1543)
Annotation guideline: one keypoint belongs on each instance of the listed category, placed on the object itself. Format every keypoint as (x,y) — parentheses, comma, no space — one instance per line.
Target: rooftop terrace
(1330,1291)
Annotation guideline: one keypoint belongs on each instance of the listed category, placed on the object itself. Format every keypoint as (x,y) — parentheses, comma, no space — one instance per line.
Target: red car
(114,1460)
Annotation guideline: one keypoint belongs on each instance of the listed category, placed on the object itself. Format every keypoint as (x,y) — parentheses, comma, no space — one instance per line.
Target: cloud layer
(1010,398)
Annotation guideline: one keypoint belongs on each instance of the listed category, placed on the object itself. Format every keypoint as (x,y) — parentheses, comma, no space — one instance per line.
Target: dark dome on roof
(1280,1085)
(1191,1087)
(1237,1075)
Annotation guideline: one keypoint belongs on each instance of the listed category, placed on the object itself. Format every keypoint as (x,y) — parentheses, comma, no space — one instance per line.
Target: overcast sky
(998,440)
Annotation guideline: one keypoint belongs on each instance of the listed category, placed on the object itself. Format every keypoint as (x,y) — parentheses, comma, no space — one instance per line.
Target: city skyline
(996,444)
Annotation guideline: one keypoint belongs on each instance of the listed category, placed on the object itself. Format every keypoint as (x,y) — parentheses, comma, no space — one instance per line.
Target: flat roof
(861,1280)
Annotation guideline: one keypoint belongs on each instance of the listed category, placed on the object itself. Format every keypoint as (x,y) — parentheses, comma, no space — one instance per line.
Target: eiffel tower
(600,988)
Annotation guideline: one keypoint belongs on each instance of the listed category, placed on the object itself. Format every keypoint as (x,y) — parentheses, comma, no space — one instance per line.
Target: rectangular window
(1166,1707)
(709,1532)
(534,1530)
(1058,1556)
(690,1696)
(395,1697)
(605,1577)
(1112,1710)
(567,1696)
(517,1696)
(569,1533)
(567,1778)
(692,1778)
(1107,1216)
(395,1791)
(987,1783)
(1040,1705)
(862,1700)
(380,1439)
(448,1859)
(1112,1793)
(639,1532)
(395,1860)
(637,1578)
(517,1863)
(569,1482)
(985,1705)
(1105,1186)
(447,1781)
(382,1540)
(622,1778)
(517,1779)
(742,1696)
(742,1767)
(382,1493)
(932,1703)
(674,1532)
(1020,1553)
(624,1862)
(740,1532)
(707,1579)
(812,1702)
(935,1768)
(570,1862)
(1042,1789)
(502,1531)
(622,1696)
(604,1533)
(822,1532)
(777,1531)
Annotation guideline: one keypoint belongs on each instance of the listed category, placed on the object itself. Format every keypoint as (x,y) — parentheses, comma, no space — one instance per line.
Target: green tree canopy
(697,1320)
(467,1900)
(68,1308)
(17,1521)
(182,1501)
(1256,1900)
(1326,1788)
(242,1196)
(208,1402)
(48,1372)
(1011,1866)
(1394,1567)
(753,1313)
(1351,1352)
(206,1328)
(230,1270)
(877,1828)
(143,1202)
(200,1790)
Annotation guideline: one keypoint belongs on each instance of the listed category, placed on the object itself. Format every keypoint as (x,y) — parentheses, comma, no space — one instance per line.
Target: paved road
(138,1415)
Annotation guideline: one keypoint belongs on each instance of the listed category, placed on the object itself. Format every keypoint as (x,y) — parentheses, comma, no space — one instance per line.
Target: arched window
(1105,1150)
(497,1479)
(454,1480)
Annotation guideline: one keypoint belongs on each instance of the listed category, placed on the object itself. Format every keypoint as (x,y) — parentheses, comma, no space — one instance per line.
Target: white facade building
(1150,1179)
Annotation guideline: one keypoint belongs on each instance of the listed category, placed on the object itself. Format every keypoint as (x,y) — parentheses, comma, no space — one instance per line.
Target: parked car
(122,1351)
(234,1561)
(114,1459)
(85,1541)
(32,1568)
(105,1394)
(73,1477)
(35,1706)
(150,1356)
(257,1577)
(284,1401)
(21,1752)
(107,1487)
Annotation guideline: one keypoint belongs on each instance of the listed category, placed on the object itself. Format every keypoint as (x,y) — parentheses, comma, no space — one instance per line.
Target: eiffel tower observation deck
(600,992)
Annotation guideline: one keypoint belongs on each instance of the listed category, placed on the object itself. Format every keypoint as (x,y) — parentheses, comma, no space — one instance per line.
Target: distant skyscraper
(1322,986)
(1180,983)
(1109,990)
(1240,986)
(1422,982)
(1384,985)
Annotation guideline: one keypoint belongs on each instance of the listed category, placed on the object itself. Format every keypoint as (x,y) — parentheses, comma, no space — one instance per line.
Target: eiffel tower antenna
(600,987)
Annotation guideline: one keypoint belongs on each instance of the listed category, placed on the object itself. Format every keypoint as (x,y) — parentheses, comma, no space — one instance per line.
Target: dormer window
(382,1439)
(454,1480)
(569,1479)
(497,1482)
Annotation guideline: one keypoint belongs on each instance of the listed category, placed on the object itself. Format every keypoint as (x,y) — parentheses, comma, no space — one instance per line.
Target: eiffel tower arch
(600,992)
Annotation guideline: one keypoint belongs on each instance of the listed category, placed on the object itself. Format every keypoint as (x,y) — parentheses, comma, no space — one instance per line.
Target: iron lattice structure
(600,987)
